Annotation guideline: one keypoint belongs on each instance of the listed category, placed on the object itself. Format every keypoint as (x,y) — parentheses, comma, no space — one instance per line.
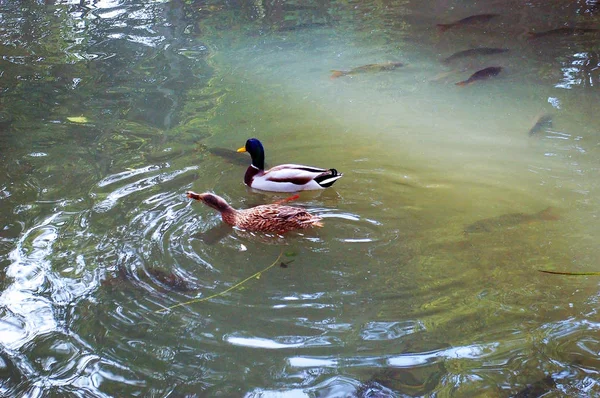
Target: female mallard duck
(286,177)
(266,218)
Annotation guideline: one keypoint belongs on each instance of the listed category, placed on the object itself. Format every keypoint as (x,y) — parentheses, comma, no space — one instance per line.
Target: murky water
(424,279)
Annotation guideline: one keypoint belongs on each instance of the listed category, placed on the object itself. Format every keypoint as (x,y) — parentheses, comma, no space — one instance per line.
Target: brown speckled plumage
(266,218)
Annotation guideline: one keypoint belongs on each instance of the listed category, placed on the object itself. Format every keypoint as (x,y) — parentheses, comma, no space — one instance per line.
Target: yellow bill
(242,149)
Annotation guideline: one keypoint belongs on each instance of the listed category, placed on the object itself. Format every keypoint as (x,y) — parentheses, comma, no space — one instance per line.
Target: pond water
(424,280)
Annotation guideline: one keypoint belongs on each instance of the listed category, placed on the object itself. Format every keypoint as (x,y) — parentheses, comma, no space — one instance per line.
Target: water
(392,296)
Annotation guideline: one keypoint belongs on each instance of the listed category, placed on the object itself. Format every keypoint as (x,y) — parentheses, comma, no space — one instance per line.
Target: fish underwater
(302,26)
(510,220)
(482,74)
(537,389)
(562,32)
(473,52)
(229,155)
(386,66)
(170,280)
(543,122)
(472,20)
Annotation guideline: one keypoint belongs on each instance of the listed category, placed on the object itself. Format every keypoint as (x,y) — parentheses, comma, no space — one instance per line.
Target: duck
(285,177)
(273,217)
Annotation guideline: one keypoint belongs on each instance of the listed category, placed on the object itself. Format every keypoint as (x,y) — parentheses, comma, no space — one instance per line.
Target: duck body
(265,218)
(285,177)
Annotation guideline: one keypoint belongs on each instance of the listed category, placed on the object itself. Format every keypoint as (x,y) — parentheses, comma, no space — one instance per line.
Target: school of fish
(542,122)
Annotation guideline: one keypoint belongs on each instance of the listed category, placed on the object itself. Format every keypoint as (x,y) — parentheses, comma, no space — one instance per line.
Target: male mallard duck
(266,218)
(285,177)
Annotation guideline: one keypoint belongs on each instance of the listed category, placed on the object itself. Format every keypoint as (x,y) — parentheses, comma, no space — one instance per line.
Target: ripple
(335,387)
(351,228)
(389,330)
(35,303)
(475,351)
(114,178)
(28,269)
(135,187)
(279,343)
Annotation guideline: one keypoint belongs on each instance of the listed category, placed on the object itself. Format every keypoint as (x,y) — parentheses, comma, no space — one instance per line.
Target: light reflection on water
(393,296)
(402,361)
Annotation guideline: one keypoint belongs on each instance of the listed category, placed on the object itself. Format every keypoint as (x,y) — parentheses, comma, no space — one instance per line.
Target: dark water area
(423,281)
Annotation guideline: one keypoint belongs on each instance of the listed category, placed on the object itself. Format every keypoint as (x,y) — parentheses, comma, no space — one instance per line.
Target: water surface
(424,280)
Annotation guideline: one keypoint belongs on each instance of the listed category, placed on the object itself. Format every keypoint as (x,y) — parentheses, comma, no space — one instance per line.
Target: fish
(562,32)
(472,20)
(228,155)
(472,52)
(482,74)
(367,68)
(510,220)
(170,280)
(537,389)
(543,122)
(303,26)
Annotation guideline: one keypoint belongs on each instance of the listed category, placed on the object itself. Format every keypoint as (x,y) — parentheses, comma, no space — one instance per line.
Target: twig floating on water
(569,273)
(199,300)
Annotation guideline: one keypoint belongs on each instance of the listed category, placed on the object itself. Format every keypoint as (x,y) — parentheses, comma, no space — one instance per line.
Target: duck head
(211,200)
(256,151)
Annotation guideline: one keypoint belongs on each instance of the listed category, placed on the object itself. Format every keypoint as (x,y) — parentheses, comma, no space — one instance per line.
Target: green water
(399,294)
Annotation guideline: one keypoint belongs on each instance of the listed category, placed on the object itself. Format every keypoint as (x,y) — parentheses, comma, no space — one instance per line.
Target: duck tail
(327,179)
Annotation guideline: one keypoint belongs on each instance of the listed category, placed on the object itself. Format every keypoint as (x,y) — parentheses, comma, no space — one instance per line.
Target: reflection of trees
(36,61)
(579,54)
(567,59)
(285,15)
(60,59)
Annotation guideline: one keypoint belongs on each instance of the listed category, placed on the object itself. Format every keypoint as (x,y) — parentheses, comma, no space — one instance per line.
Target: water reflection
(582,71)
